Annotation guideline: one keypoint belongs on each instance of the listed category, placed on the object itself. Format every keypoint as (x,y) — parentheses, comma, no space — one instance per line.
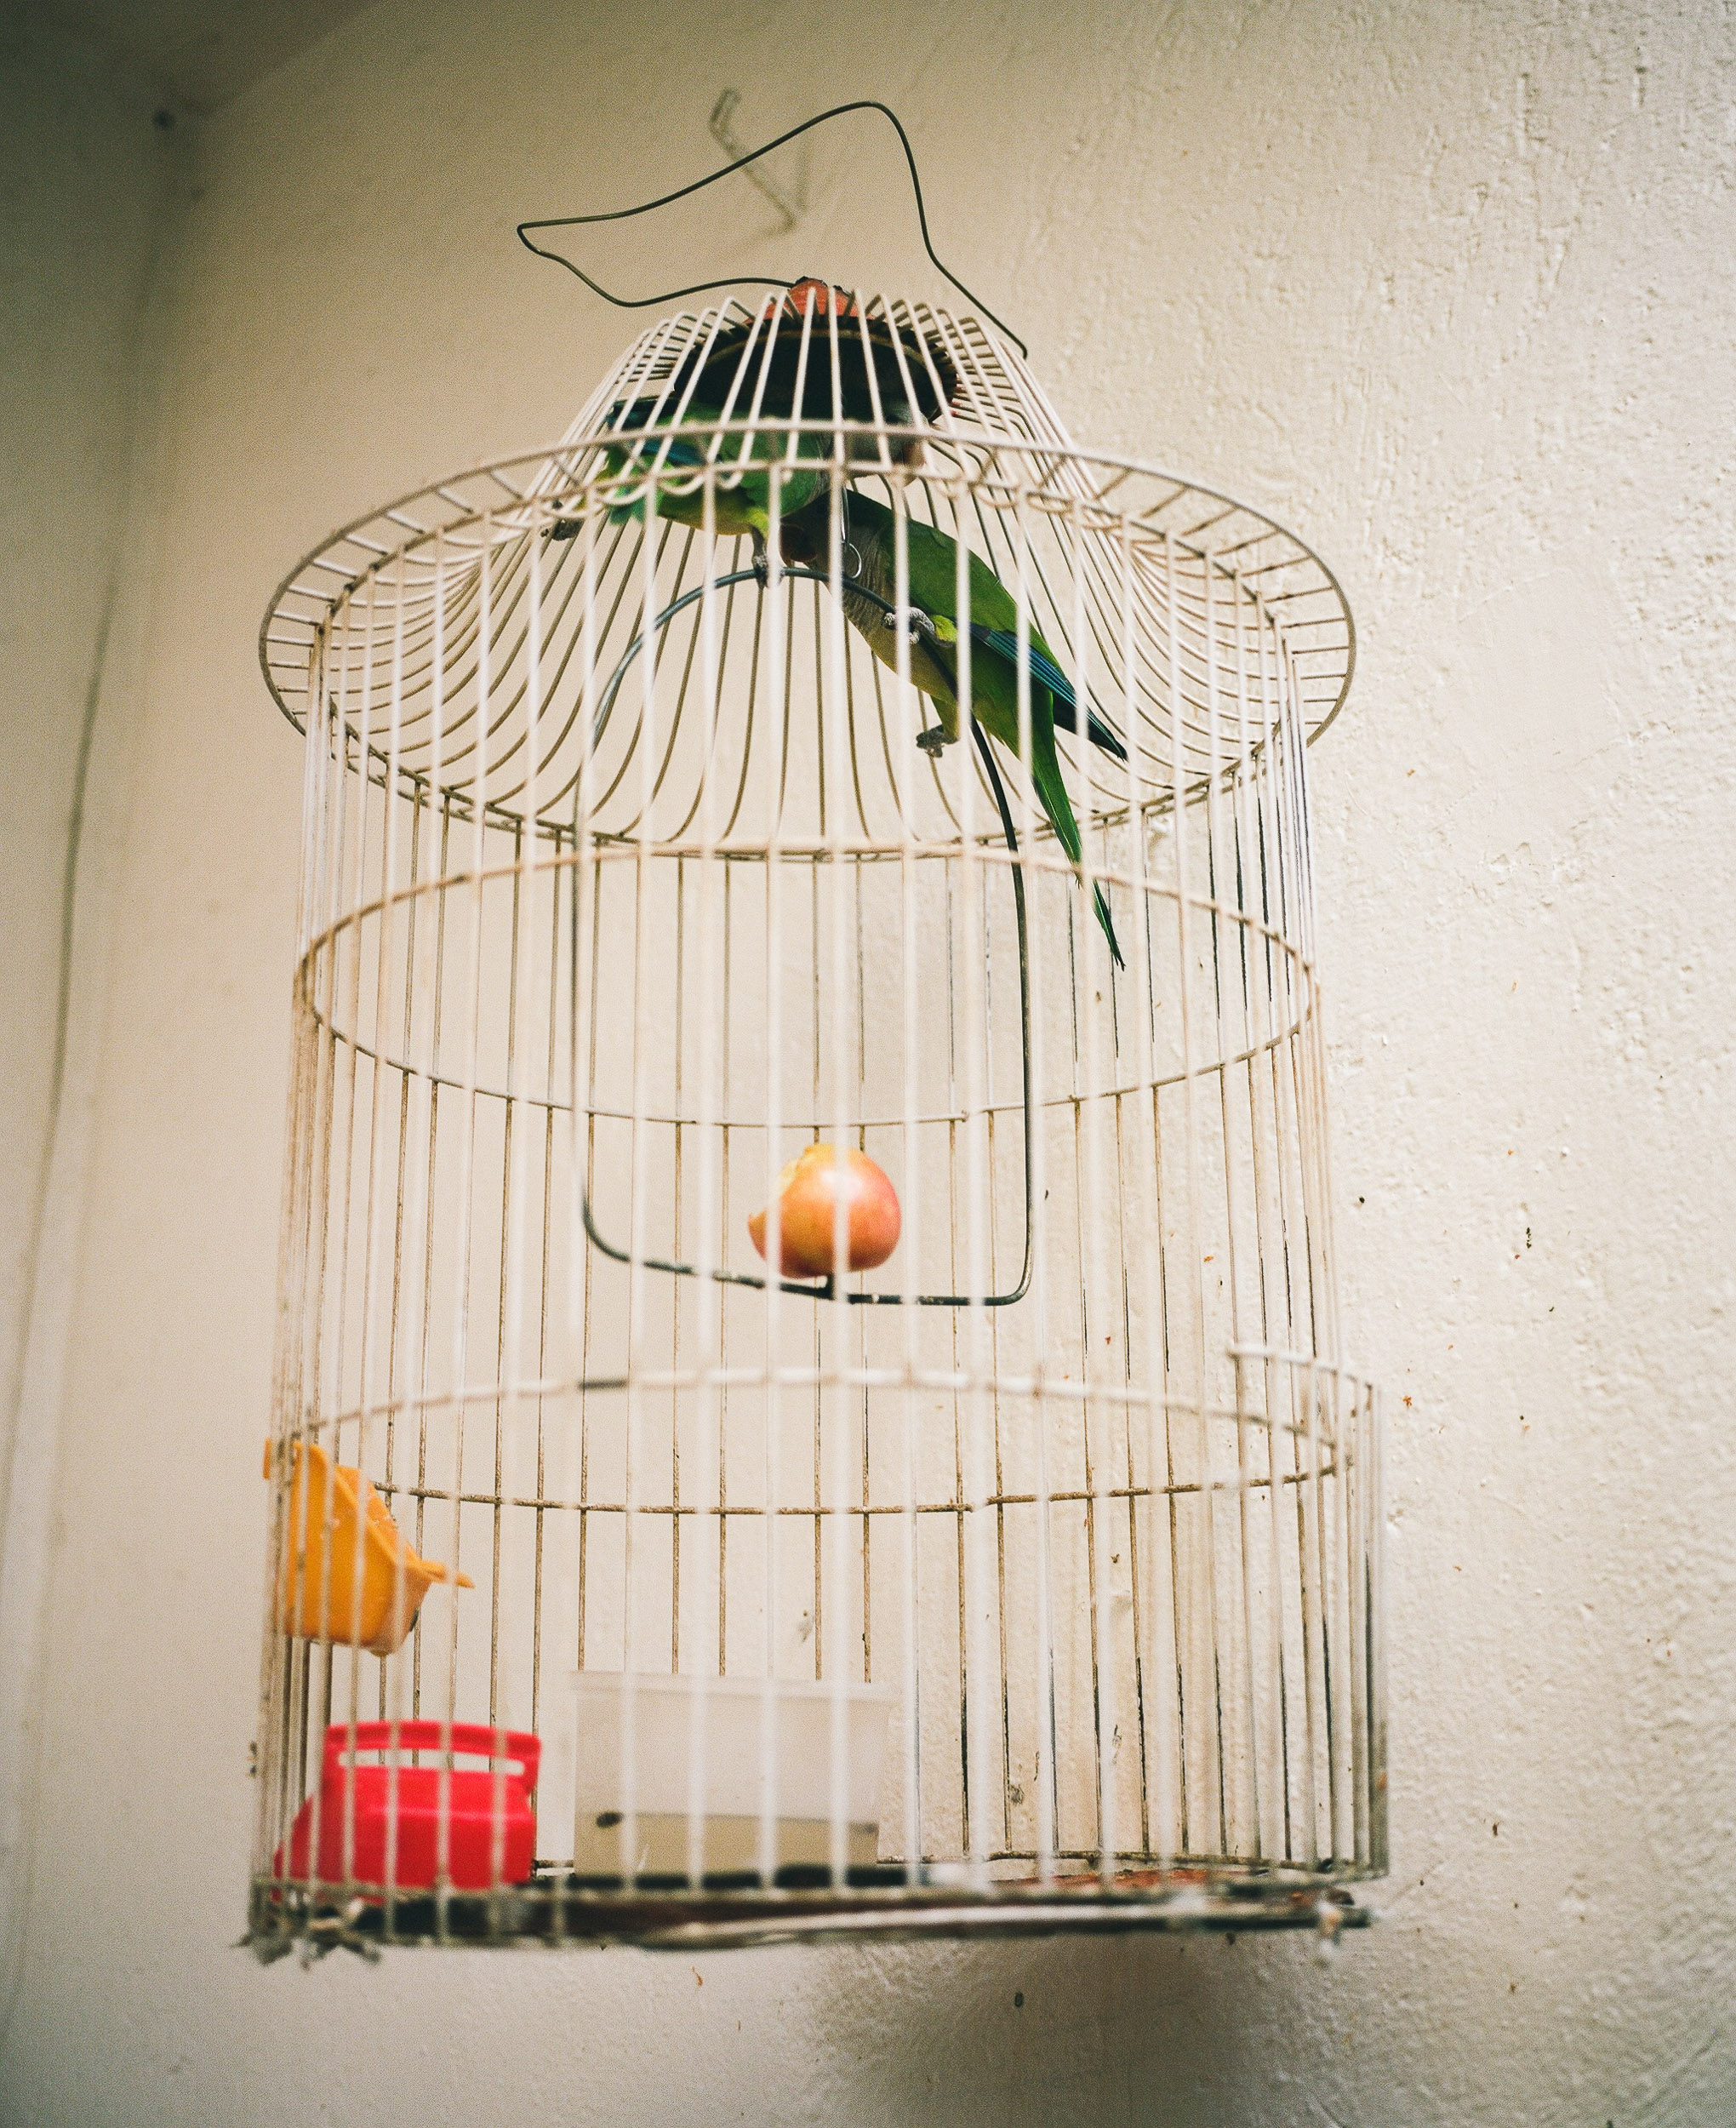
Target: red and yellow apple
(808,1191)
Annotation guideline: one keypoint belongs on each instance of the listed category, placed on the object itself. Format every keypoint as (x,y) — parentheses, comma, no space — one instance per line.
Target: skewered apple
(808,1190)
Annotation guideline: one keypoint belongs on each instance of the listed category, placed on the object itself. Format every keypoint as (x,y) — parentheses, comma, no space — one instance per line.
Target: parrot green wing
(994,629)
(934,579)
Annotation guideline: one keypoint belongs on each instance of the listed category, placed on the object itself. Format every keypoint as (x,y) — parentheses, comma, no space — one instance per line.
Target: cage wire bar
(622,881)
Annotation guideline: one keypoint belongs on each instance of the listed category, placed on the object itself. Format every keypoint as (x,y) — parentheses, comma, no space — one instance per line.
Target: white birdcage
(1029,1580)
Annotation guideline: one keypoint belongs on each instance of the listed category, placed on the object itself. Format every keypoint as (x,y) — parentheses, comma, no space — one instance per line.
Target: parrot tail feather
(1105,920)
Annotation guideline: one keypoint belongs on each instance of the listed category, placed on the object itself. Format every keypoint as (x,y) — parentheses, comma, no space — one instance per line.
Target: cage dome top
(932,411)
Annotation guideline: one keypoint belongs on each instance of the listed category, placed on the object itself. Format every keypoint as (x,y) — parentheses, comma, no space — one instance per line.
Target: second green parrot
(932,653)
(745,373)
(742,491)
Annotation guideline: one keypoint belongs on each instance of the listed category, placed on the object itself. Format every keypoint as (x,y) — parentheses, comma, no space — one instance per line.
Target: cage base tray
(804,1903)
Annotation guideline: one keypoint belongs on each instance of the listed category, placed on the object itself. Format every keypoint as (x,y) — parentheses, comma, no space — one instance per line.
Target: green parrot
(742,496)
(869,563)
(723,377)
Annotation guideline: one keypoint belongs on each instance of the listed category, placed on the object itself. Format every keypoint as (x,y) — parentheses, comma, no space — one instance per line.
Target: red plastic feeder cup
(475,1804)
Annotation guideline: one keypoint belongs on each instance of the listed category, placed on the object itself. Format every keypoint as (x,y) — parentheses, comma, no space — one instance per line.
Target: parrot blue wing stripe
(1041,666)
(675,452)
(1044,669)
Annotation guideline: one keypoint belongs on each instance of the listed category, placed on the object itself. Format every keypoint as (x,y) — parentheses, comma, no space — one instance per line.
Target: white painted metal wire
(608,911)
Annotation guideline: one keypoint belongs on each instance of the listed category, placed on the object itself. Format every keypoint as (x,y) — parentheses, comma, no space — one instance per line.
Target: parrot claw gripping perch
(914,625)
(919,628)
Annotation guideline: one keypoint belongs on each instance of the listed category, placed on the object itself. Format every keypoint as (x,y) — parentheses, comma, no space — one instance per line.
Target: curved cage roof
(469,640)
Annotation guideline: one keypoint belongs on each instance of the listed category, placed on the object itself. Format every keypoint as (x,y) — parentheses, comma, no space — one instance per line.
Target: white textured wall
(83,182)
(1450,288)
(84,191)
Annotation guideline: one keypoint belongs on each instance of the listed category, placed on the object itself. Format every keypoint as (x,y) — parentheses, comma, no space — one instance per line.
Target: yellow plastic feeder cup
(323,1509)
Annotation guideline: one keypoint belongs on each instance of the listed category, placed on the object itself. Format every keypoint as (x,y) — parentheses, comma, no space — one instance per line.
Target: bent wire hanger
(753,280)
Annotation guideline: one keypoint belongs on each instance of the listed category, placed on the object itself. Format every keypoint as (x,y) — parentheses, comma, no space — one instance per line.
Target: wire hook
(753,280)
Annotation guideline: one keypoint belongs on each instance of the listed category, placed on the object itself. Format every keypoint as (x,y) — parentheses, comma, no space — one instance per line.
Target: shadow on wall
(1132,2028)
